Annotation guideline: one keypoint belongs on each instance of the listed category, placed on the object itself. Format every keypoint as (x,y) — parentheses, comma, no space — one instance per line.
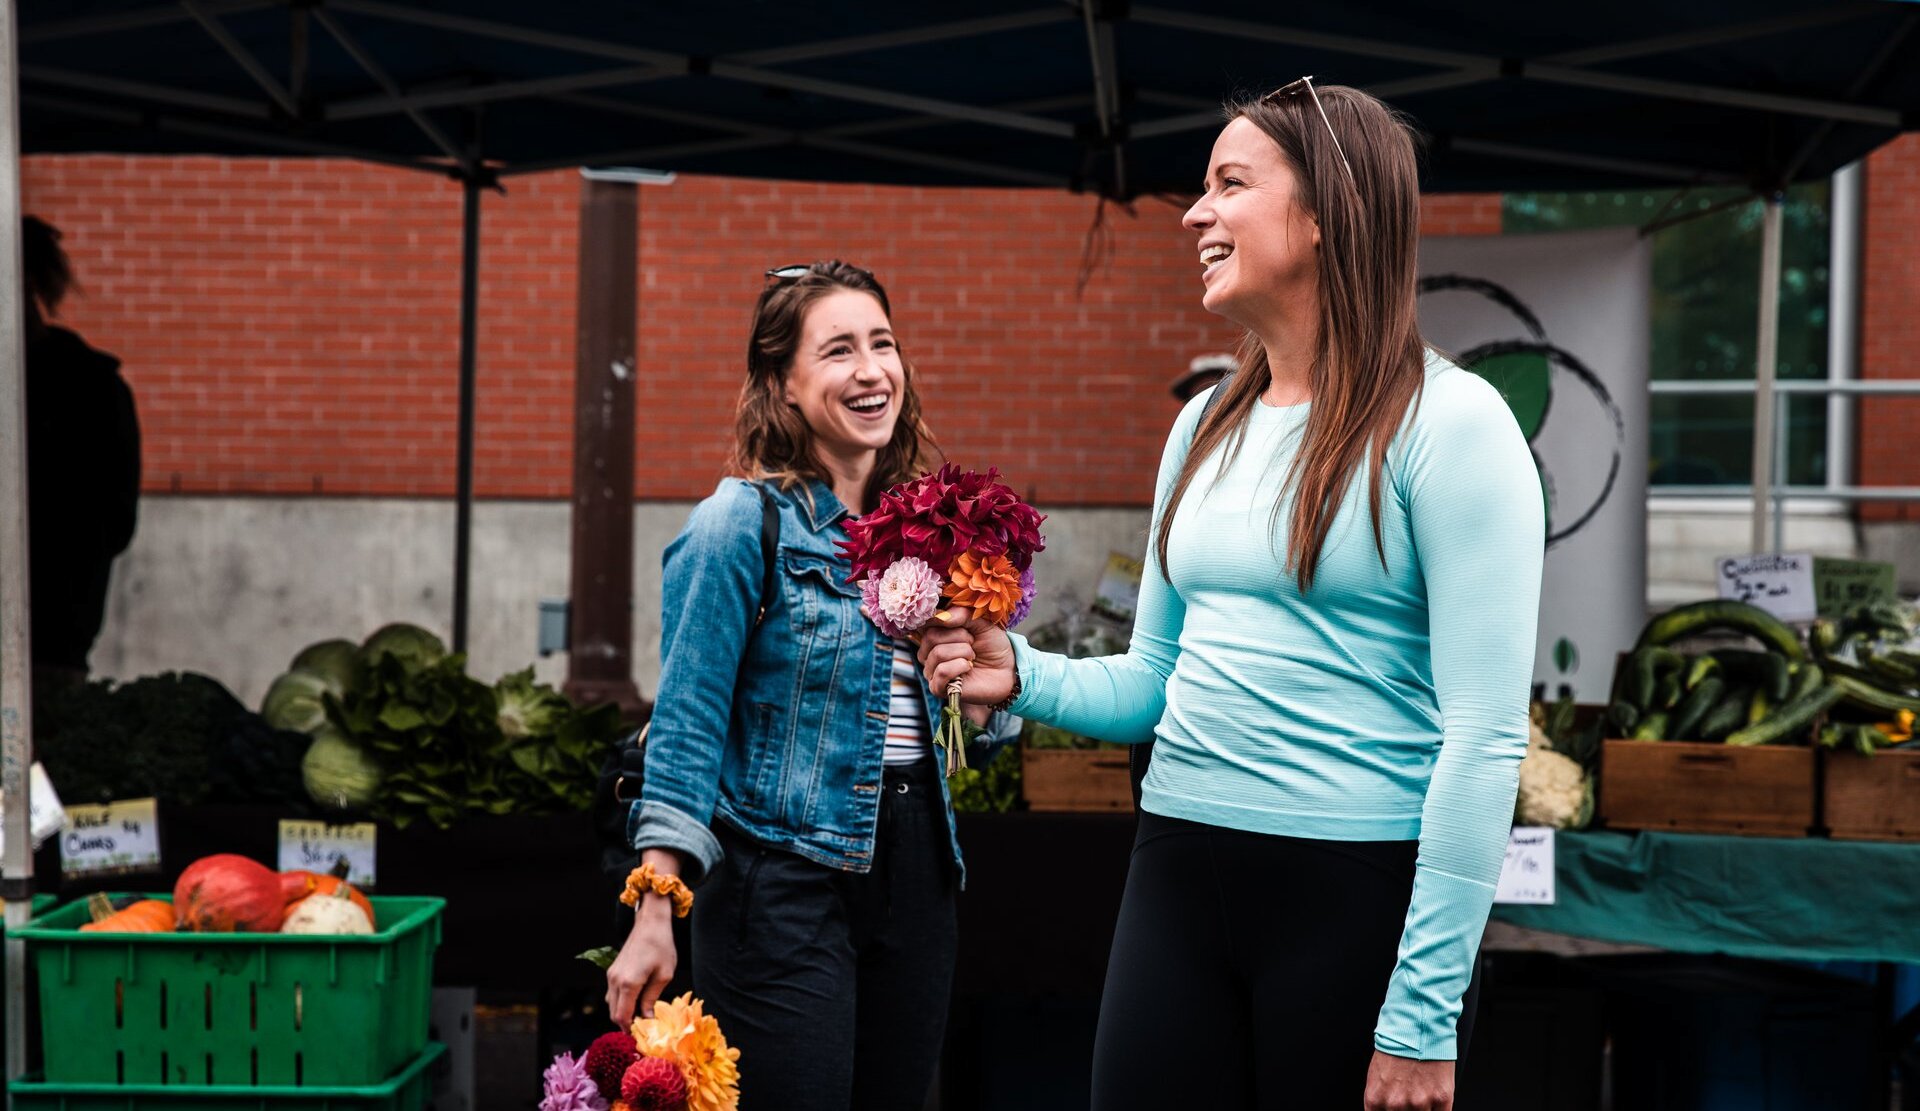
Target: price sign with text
(116,837)
(317,847)
(1527,874)
(1780,583)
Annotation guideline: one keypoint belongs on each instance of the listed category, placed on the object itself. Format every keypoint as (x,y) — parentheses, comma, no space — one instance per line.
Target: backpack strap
(1141,755)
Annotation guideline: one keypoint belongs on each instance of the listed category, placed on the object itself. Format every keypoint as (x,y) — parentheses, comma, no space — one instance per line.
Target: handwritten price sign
(317,847)
(1527,874)
(117,837)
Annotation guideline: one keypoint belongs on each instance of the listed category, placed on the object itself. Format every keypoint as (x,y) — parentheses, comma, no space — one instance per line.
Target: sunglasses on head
(1293,87)
(802,269)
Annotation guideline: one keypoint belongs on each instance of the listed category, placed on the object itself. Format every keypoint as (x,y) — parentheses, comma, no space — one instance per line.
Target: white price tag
(1527,874)
(117,837)
(1780,583)
(317,847)
(45,817)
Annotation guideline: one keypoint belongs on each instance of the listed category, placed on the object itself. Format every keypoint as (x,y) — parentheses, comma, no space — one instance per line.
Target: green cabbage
(335,660)
(296,701)
(528,709)
(413,646)
(339,774)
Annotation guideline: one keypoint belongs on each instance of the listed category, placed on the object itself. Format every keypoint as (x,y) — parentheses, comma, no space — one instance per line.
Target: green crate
(252,1009)
(407,1090)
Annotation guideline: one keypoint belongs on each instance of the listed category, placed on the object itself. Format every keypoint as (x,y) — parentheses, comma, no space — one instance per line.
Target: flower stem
(953,735)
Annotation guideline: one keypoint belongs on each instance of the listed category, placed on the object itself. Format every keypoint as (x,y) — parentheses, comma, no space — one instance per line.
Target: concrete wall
(233,587)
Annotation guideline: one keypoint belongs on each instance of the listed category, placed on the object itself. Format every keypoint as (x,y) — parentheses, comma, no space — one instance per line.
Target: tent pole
(1768,345)
(463,478)
(16,656)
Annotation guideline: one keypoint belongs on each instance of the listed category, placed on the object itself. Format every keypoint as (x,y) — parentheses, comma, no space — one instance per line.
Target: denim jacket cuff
(659,826)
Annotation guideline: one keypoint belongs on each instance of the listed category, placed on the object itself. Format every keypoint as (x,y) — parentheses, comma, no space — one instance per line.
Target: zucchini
(1727,715)
(1644,670)
(1866,696)
(1653,727)
(1790,720)
(1624,715)
(1704,667)
(1764,669)
(1666,692)
(1758,707)
(1824,636)
(1807,678)
(1719,614)
(1884,665)
(1694,710)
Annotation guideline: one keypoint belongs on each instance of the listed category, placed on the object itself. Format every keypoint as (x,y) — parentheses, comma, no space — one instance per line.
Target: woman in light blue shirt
(1333,651)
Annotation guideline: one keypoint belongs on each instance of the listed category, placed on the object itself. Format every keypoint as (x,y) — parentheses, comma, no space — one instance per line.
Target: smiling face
(1258,242)
(846,379)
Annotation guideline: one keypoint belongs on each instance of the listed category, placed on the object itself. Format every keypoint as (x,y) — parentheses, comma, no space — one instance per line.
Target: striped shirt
(907,733)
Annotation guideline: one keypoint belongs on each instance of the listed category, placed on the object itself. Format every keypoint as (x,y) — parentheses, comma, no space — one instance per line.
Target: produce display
(400,731)
(226,893)
(1556,785)
(1853,685)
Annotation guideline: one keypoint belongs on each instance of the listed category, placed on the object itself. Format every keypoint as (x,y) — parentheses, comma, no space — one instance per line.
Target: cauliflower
(1554,791)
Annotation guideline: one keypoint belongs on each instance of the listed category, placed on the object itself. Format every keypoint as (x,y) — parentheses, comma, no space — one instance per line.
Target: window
(1706,310)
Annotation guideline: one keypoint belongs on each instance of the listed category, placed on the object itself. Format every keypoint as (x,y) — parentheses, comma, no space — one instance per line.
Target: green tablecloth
(1765,897)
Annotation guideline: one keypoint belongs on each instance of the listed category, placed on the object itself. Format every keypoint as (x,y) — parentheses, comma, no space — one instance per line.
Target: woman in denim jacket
(790,772)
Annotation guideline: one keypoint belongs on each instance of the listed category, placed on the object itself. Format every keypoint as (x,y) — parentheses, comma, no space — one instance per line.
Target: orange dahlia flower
(691,1039)
(989,586)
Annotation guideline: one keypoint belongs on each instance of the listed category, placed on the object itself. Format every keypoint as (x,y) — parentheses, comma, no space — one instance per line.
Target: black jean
(1248,970)
(834,984)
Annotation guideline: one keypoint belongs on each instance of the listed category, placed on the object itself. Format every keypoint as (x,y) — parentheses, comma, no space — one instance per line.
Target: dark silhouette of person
(83,467)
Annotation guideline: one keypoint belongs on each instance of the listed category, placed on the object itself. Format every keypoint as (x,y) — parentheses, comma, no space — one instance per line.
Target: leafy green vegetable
(296,701)
(333,660)
(528,709)
(338,773)
(415,647)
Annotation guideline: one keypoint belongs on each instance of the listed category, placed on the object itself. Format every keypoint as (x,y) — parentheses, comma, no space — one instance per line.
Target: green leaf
(601,957)
(400,717)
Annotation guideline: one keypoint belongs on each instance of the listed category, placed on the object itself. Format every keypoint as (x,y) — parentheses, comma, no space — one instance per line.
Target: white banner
(1560,323)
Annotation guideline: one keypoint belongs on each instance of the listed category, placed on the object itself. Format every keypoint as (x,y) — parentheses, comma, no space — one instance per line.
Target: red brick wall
(292,326)
(1890,324)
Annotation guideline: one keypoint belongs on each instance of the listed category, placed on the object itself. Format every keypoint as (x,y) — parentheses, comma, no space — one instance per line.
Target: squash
(333,913)
(147,916)
(296,886)
(226,893)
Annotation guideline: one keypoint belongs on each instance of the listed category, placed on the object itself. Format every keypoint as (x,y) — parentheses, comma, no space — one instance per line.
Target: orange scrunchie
(644,879)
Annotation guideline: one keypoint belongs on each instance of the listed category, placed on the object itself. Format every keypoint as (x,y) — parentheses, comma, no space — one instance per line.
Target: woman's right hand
(956,646)
(645,965)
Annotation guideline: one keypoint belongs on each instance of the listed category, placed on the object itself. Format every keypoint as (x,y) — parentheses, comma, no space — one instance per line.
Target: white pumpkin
(327,914)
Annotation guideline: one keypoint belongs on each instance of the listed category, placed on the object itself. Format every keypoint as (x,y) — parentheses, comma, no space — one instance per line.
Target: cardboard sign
(317,847)
(1780,583)
(1526,876)
(117,837)
(1841,584)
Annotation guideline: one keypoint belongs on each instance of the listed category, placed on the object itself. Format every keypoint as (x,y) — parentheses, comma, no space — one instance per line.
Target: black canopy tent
(1102,96)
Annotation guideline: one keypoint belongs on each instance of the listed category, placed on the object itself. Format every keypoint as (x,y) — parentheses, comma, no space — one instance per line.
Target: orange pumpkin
(296,886)
(148,916)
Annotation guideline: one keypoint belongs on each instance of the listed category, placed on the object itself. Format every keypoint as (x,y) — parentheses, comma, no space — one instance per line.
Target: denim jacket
(791,754)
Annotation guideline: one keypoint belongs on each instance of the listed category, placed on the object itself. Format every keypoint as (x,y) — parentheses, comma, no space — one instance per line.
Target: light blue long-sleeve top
(1384,704)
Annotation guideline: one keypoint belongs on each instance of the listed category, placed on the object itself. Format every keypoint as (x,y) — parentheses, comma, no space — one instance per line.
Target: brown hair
(1369,361)
(45,267)
(771,440)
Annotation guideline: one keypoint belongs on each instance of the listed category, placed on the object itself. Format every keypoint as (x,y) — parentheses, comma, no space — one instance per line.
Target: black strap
(1140,755)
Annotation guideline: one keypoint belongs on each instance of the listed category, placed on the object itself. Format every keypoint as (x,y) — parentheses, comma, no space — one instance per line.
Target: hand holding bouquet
(951,538)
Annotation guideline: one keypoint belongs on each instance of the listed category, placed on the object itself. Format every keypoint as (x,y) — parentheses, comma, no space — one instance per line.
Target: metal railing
(1837,392)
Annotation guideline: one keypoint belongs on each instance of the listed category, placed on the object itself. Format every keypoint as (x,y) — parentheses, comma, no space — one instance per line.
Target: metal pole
(463,475)
(1843,319)
(600,625)
(1769,344)
(16,654)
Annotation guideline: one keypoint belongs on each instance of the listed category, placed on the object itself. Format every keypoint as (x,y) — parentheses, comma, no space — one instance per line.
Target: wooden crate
(1762,790)
(1075,779)
(1872,798)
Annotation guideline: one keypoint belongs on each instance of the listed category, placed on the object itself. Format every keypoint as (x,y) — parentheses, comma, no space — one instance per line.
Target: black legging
(1248,970)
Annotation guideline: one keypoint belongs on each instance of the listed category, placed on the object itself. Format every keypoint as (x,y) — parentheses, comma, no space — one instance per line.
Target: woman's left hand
(1403,1084)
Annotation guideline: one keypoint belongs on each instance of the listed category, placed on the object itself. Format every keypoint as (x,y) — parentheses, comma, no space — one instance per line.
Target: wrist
(1013,695)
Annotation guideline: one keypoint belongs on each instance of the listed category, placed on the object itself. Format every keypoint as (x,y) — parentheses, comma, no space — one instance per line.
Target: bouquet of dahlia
(951,538)
(675,1061)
